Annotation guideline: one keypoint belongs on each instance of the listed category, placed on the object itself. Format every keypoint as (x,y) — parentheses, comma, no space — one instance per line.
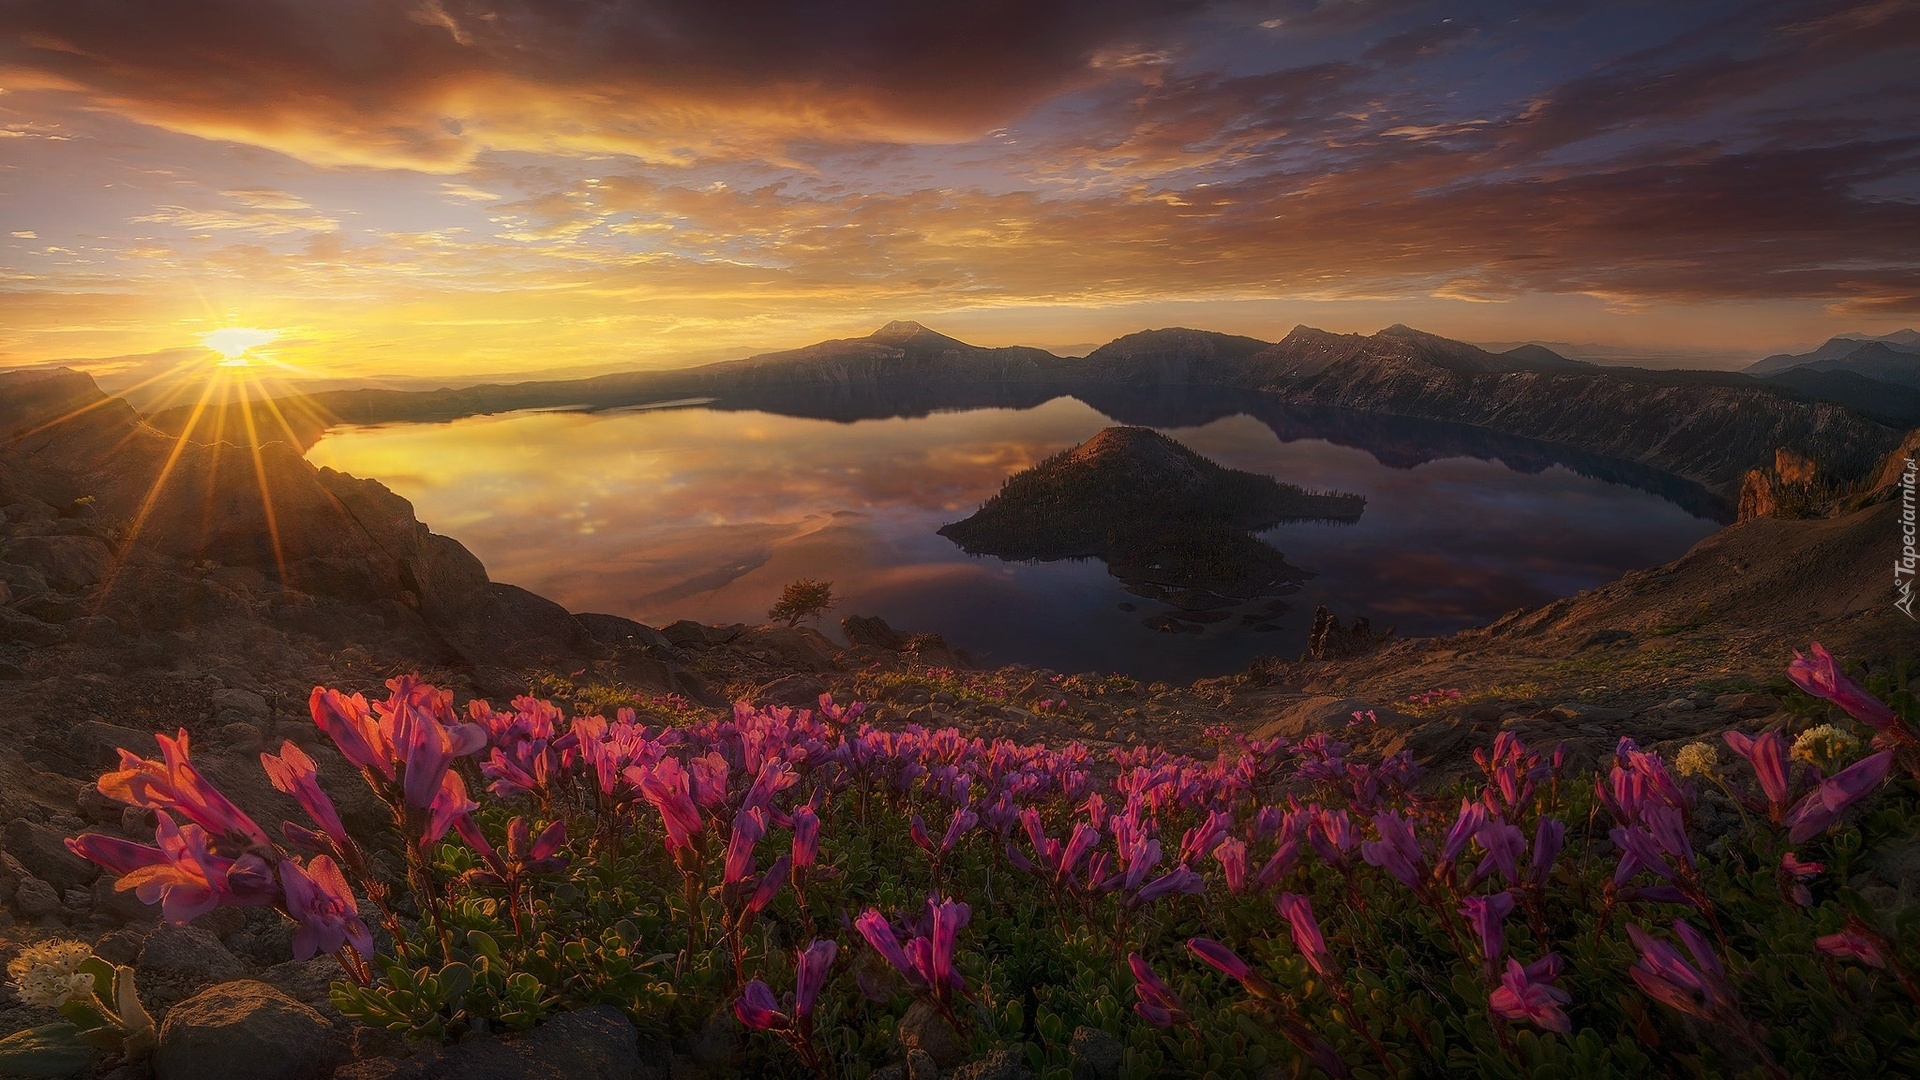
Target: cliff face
(283,535)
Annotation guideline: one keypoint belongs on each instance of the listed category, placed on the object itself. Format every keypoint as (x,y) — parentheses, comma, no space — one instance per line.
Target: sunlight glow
(234,342)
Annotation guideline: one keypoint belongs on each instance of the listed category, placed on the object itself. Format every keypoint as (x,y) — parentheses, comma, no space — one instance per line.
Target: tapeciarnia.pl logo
(1904,567)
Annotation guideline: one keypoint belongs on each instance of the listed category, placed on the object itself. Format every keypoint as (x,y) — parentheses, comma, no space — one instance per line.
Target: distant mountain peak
(901,331)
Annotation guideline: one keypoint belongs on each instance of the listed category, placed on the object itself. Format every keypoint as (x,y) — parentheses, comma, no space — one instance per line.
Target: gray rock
(596,1043)
(22,579)
(120,905)
(36,899)
(799,689)
(924,1029)
(309,982)
(244,1030)
(921,1067)
(44,853)
(18,626)
(1583,713)
(249,705)
(719,1040)
(999,1065)
(1095,1055)
(189,954)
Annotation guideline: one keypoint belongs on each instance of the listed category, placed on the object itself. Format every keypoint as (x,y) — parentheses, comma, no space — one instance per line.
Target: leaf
(50,1050)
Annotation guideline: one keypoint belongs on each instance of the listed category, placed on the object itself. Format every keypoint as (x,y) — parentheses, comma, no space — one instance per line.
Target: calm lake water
(706,511)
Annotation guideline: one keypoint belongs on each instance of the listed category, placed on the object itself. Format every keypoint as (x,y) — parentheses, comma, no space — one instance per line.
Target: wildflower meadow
(817,887)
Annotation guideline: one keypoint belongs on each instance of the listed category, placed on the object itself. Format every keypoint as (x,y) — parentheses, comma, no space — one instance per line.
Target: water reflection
(705,512)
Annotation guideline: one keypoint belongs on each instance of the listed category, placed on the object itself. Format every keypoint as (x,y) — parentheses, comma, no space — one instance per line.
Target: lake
(705,511)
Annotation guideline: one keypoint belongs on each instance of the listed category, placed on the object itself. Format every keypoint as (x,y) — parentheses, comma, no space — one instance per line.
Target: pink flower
(425,745)
(295,774)
(1298,911)
(448,805)
(190,880)
(666,786)
(1397,851)
(353,728)
(118,856)
(1848,945)
(1817,811)
(874,927)
(1157,1005)
(748,827)
(1472,818)
(319,900)
(174,784)
(769,885)
(1232,854)
(1229,963)
(1794,874)
(1821,677)
(1768,756)
(1527,993)
(806,838)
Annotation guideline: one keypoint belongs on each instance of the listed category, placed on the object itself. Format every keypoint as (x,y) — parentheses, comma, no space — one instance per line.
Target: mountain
(1835,352)
(1706,427)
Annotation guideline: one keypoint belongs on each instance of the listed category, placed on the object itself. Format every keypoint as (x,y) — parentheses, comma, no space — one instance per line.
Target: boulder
(96,743)
(618,633)
(596,1043)
(798,689)
(43,851)
(188,954)
(36,899)
(244,1030)
(1095,1055)
(798,647)
(924,1029)
(871,631)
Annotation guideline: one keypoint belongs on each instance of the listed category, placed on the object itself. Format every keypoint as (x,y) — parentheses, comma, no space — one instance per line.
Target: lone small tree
(803,599)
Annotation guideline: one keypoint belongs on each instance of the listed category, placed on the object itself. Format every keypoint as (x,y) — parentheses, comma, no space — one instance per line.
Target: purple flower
(1549,837)
(758,1010)
(810,974)
(667,787)
(1157,1005)
(1527,993)
(1178,880)
(1504,845)
(1232,854)
(322,905)
(353,728)
(769,884)
(1473,815)
(749,826)
(1298,911)
(874,927)
(1697,989)
(448,805)
(1821,677)
(1488,917)
(1816,812)
(1397,851)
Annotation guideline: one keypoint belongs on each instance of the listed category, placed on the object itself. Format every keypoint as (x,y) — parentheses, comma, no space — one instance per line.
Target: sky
(434,188)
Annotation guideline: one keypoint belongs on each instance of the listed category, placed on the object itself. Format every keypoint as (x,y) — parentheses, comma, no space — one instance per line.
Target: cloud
(429,86)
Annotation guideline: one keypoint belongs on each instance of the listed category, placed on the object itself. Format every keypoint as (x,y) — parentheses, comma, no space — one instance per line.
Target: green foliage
(49,1050)
(803,599)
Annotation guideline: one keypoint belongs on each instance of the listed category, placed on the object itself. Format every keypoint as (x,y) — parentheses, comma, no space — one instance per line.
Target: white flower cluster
(48,976)
(1697,759)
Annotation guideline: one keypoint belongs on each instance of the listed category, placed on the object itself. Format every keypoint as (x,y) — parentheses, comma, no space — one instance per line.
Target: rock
(68,562)
(1748,705)
(35,898)
(799,647)
(796,689)
(1581,713)
(189,954)
(999,1065)
(243,1030)
(249,705)
(920,1066)
(19,626)
(924,1029)
(596,1043)
(1430,741)
(1606,637)
(1095,1055)
(22,579)
(44,853)
(871,631)
(688,634)
(120,905)
(618,633)
(1327,714)
(97,743)
(719,1040)
(309,982)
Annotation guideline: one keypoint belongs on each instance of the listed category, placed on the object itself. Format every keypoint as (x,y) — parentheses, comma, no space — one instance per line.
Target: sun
(234,342)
